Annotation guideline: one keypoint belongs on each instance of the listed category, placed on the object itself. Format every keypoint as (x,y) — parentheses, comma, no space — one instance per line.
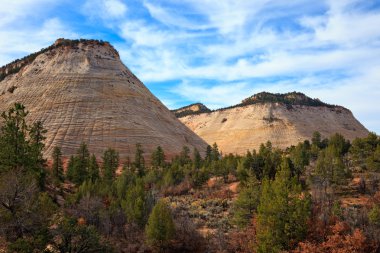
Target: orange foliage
(81,221)
(339,240)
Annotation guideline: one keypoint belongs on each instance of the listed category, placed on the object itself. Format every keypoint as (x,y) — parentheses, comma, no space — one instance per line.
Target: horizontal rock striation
(81,91)
(245,126)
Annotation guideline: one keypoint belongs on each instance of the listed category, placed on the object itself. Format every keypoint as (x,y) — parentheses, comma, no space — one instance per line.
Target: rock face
(283,119)
(81,91)
(192,109)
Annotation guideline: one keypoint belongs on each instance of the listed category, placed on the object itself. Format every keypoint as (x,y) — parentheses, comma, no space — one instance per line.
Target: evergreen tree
(330,167)
(242,173)
(184,156)
(365,152)
(83,156)
(77,170)
(139,163)
(57,167)
(16,151)
(374,216)
(160,228)
(135,204)
(93,169)
(248,160)
(246,203)
(74,237)
(70,168)
(282,213)
(300,159)
(110,164)
(13,144)
(37,137)
(268,160)
(373,160)
(338,144)
(208,156)
(197,159)
(360,151)
(158,158)
(316,139)
(215,152)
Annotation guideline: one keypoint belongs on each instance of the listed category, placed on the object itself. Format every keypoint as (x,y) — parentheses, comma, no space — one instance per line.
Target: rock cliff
(283,119)
(81,91)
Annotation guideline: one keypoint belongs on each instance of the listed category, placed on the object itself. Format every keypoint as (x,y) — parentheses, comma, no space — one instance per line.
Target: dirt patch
(356,201)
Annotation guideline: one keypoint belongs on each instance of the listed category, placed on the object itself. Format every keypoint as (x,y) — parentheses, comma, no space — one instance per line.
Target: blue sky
(220,51)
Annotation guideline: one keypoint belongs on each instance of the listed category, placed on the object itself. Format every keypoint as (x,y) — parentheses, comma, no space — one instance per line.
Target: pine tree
(37,146)
(70,168)
(14,146)
(135,203)
(57,167)
(242,173)
(83,156)
(300,159)
(339,145)
(77,170)
(110,164)
(197,159)
(246,203)
(215,155)
(93,169)
(139,163)
(282,213)
(208,156)
(316,139)
(158,158)
(16,151)
(330,167)
(184,156)
(160,228)
(374,216)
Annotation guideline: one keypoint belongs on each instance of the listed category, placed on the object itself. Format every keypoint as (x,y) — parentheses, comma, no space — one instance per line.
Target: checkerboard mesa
(82,92)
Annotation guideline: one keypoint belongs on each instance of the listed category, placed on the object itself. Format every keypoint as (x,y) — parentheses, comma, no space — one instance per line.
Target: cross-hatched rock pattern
(245,127)
(83,92)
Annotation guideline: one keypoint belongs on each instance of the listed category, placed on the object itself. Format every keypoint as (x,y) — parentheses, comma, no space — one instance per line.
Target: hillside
(283,119)
(82,92)
(192,109)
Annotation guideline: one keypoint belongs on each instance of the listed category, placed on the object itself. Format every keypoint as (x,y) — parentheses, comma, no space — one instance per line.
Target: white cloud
(170,17)
(19,43)
(115,8)
(13,11)
(214,97)
(105,9)
(345,29)
(143,35)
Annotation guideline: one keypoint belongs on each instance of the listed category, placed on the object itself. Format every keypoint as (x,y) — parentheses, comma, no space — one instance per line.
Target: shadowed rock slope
(283,119)
(81,91)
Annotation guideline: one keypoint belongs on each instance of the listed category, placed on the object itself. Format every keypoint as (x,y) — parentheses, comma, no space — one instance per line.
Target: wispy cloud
(26,26)
(105,9)
(329,51)
(216,96)
(219,52)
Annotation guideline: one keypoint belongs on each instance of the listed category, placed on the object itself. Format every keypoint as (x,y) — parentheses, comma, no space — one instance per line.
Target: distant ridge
(283,119)
(289,99)
(196,108)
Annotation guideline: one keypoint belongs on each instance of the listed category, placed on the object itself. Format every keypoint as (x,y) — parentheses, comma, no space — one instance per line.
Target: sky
(219,52)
